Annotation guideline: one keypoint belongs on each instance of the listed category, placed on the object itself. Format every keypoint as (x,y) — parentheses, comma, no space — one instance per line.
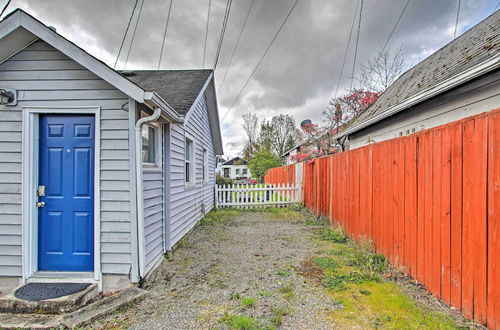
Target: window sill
(150,168)
(189,185)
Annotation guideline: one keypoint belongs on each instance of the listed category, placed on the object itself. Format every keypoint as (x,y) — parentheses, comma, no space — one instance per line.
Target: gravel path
(218,267)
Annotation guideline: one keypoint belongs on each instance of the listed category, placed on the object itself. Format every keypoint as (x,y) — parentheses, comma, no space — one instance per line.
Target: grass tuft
(239,322)
(278,314)
(247,302)
(283,273)
(264,293)
(335,235)
(234,296)
(220,216)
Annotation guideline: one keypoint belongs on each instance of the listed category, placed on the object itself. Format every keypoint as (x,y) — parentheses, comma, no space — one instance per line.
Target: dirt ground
(256,270)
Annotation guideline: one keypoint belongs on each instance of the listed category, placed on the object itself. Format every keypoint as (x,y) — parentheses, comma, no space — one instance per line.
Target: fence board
(445,270)
(429,201)
(493,303)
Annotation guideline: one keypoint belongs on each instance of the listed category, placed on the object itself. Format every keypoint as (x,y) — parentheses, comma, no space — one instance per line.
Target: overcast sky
(299,74)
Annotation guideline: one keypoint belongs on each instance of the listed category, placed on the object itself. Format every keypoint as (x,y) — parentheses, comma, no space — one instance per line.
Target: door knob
(40,204)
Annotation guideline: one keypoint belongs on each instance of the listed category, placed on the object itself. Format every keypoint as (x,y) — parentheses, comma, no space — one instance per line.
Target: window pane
(187,172)
(188,150)
(152,146)
(145,143)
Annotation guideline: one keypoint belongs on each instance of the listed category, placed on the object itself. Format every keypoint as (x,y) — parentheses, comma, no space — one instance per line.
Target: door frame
(30,172)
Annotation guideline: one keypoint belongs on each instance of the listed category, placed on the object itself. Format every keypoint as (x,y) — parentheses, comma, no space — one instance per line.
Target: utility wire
(206,32)
(494,10)
(395,25)
(236,45)
(133,35)
(222,32)
(347,48)
(125,35)
(165,33)
(357,42)
(5,7)
(456,20)
(260,60)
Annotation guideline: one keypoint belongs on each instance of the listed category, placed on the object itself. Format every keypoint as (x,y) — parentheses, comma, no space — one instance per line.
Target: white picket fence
(259,195)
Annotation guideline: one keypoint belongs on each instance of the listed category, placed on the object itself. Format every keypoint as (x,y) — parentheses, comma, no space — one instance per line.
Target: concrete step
(10,304)
(80,317)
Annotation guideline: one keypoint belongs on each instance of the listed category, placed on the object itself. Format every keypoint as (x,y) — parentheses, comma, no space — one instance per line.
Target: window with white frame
(149,144)
(205,165)
(189,160)
(237,171)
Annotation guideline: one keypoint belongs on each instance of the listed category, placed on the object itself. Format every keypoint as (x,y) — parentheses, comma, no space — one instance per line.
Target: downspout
(139,189)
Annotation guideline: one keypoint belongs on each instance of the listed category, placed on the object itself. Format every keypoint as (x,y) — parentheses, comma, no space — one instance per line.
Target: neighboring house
(218,162)
(459,80)
(235,169)
(101,172)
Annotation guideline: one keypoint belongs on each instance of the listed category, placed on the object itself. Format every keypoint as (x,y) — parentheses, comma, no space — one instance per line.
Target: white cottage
(101,172)
(235,169)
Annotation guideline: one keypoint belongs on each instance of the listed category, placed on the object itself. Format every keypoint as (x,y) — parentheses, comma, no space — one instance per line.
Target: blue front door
(66,186)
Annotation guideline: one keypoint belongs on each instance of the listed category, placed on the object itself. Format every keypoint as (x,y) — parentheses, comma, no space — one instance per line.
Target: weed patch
(352,275)
(264,293)
(239,322)
(287,291)
(326,263)
(247,302)
(283,273)
(335,235)
(278,314)
(234,296)
(219,216)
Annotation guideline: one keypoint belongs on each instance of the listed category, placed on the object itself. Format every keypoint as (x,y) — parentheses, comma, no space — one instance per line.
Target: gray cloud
(300,72)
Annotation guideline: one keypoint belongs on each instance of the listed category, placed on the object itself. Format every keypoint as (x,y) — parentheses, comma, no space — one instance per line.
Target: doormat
(43,291)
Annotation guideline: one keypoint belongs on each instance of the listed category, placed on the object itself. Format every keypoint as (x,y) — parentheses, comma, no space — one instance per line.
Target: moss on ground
(353,277)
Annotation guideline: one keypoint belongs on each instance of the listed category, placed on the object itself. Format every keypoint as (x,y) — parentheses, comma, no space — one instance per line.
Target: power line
(165,33)
(456,20)
(236,45)
(357,42)
(5,7)
(222,32)
(395,25)
(125,35)
(206,32)
(133,35)
(494,10)
(347,48)
(260,60)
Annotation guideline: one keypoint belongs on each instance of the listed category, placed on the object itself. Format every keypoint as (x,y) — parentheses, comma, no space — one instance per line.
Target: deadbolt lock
(40,204)
(41,191)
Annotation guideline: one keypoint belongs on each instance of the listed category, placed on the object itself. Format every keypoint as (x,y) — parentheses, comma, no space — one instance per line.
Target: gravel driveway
(239,273)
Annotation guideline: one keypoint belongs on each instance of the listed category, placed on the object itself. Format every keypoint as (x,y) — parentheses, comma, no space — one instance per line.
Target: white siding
(44,76)
(186,202)
(153,216)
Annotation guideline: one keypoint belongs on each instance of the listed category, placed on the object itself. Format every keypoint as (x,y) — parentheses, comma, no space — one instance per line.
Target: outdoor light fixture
(7,97)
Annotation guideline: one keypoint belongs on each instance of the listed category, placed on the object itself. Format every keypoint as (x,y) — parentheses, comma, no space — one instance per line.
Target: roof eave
(454,81)
(20,19)
(154,100)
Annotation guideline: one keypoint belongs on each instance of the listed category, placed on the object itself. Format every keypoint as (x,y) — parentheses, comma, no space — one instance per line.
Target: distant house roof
(459,61)
(236,161)
(179,88)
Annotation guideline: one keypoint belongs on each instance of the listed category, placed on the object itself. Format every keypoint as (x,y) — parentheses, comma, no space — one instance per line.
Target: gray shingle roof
(474,46)
(236,161)
(179,88)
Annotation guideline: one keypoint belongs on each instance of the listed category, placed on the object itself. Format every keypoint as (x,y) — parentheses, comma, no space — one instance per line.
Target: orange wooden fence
(429,201)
